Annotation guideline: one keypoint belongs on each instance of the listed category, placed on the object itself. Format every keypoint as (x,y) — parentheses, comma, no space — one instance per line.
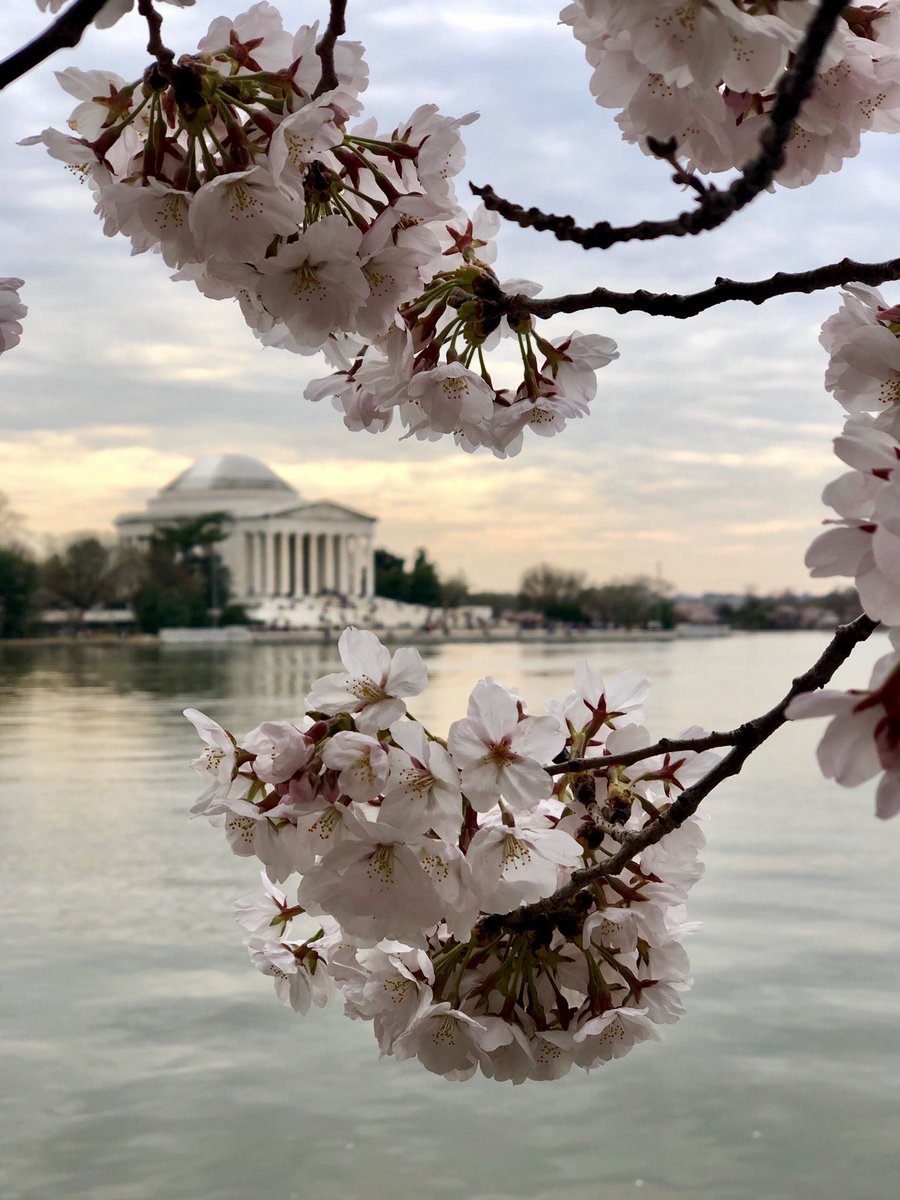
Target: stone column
(284,574)
(249,564)
(370,567)
(352,581)
(337,547)
(347,567)
(306,564)
(320,562)
(292,564)
(260,564)
(270,564)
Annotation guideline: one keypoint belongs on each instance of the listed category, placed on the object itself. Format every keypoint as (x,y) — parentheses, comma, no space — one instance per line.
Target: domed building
(277,544)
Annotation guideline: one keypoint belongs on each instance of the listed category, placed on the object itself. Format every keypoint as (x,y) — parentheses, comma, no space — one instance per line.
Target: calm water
(144,1059)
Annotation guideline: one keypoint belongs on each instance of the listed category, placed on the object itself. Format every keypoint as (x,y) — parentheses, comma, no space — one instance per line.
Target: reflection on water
(143,1059)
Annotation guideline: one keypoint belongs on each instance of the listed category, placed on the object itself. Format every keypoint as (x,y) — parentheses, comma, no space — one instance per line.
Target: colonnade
(305,564)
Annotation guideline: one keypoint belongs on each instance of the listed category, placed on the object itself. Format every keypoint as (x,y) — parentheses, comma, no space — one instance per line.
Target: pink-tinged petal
(363,654)
(853,495)
(466,742)
(847,753)
(887,798)
(481,784)
(525,783)
(375,717)
(330,694)
(874,351)
(408,675)
(411,737)
(495,707)
(819,704)
(837,551)
(880,596)
(539,738)
(886,551)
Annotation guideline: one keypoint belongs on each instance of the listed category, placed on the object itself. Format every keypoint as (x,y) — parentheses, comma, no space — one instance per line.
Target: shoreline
(326,637)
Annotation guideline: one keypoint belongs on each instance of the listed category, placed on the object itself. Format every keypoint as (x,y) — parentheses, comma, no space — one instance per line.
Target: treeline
(787,610)
(548,594)
(175,577)
(421,584)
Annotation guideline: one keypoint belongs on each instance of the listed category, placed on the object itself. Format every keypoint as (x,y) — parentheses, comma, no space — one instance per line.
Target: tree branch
(709,741)
(155,46)
(325,49)
(749,737)
(66,31)
(669,304)
(714,206)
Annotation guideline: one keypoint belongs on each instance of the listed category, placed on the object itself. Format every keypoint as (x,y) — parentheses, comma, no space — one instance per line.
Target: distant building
(277,544)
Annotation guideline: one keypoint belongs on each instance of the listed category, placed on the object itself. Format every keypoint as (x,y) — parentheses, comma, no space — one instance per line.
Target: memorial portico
(276,544)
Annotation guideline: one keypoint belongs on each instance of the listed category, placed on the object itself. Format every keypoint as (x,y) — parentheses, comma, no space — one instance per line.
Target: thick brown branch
(668,304)
(325,49)
(749,738)
(714,205)
(66,31)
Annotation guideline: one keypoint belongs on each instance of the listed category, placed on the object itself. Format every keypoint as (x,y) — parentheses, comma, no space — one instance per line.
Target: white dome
(228,473)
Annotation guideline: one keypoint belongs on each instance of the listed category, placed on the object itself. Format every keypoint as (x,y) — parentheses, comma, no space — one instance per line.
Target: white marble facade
(278,545)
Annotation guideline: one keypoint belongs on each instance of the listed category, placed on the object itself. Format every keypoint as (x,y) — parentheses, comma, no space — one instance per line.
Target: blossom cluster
(259,186)
(705,75)
(12,310)
(414,852)
(863,343)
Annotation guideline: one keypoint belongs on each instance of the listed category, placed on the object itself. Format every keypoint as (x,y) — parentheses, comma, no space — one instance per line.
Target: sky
(709,440)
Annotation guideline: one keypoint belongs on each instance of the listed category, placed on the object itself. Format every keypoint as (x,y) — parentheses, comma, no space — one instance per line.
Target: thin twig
(65,31)
(667,304)
(325,49)
(751,737)
(664,746)
(715,205)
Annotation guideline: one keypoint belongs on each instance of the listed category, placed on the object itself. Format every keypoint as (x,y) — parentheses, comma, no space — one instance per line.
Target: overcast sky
(709,440)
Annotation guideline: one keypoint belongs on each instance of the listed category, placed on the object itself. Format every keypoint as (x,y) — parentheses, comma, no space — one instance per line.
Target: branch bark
(682,306)
(155,46)
(715,205)
(325,49)
(66,31)
(748,737)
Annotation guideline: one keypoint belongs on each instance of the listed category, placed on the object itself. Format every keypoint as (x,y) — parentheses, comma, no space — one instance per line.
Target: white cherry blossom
(362,762)
(422,791)
(863,736)
(235,216)
(11,312)
(501,755)
(316,284)
(280,750)
(519,864)
(375,886)
(375,683)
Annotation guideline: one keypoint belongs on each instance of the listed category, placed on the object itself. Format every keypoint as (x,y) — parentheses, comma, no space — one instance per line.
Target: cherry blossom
(519,863)
(863,737)
(411,853)
(499,751)
(375,683)
(362,762)
(11,312)
(280,748)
